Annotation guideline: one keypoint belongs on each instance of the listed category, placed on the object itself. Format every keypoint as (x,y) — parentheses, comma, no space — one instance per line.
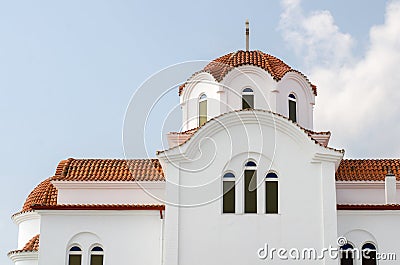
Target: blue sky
(69,68)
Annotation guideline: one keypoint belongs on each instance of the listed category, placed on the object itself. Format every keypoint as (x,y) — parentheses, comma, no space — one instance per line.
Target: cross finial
(247,34)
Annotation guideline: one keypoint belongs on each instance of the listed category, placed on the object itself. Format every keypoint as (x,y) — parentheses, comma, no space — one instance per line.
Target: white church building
(247,175)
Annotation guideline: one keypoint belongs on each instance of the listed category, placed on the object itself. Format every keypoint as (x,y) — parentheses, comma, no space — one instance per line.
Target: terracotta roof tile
(366,207)
(221,66)
(44,193)
(109,170)
(119,207)
(31,246)
(367,169)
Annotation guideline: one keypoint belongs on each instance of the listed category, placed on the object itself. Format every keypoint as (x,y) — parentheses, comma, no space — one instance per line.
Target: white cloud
(359,99)
(315,36)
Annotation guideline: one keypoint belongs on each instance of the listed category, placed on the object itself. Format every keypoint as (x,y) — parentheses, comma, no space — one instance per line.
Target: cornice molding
(25,216)
(17,256)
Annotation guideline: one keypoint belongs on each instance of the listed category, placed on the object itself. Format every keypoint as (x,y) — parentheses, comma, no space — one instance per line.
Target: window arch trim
(247,98)
(96,251)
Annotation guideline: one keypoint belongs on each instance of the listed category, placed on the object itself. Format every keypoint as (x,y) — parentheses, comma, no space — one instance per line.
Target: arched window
(228,183)
(96,256)
(271,193)
(346,254)
(250,187)
(292,108)
(247,98)
(75,256)
(368,254)
(202,109)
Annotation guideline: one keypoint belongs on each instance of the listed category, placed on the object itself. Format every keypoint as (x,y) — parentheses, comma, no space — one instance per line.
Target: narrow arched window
(96,256)
(368,254)
(250,187)
(202,109)
(347,254)
(228,198)
(247,98)
(75,256)
(292,108)
(271,193)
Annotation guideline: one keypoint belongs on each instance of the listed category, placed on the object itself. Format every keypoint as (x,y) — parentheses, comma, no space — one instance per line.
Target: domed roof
(219,67)
(45,194)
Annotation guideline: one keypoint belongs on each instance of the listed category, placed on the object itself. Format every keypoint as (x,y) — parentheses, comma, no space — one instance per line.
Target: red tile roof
(119,207)
(109,170)
(44,193)
(367,169)
(31,246)
(365,207)
(94,170)
(221,66)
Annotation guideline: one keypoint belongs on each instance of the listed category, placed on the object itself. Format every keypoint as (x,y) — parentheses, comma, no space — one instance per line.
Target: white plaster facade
(193,228)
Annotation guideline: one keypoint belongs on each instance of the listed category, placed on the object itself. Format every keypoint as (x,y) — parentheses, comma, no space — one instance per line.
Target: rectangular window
(248,102)
(75,259)
(271,196)
(202,112)
(96,260)
(250,191)
(229,197)
(292,111)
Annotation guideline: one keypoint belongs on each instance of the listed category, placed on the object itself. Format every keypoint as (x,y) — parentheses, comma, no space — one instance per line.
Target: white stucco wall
(28,227)
(201,234)
(362,192)
(110,192)
(296,84)
(127,237)
(378,227)
(226,96)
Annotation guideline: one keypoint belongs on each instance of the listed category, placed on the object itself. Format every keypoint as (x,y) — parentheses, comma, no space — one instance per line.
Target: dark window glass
(229,175)
(368,254)
(74,259)
(229,197)
(250,164)
(75,249)
(97,249)
(96,260)
(247,101)
(346,255)
(271,176)
(292,111)
(250,191)
(271,195)
(248,90)
(202,112)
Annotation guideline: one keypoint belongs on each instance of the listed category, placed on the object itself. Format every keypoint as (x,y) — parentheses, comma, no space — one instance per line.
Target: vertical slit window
(346,254)
(96,256)
(229,193)
(368,254)
(250,187)
(292,108)
(247,98)
(271,193)
(202,109)
(75,256)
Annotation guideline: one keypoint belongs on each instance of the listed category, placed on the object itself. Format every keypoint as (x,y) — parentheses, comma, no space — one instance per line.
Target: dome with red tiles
(221,66)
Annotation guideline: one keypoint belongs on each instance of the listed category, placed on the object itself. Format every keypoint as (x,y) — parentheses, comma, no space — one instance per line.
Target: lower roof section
(369,207)
(118,207)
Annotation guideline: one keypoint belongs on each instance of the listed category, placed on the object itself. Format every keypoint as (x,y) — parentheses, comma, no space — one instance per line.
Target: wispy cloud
(358,98)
